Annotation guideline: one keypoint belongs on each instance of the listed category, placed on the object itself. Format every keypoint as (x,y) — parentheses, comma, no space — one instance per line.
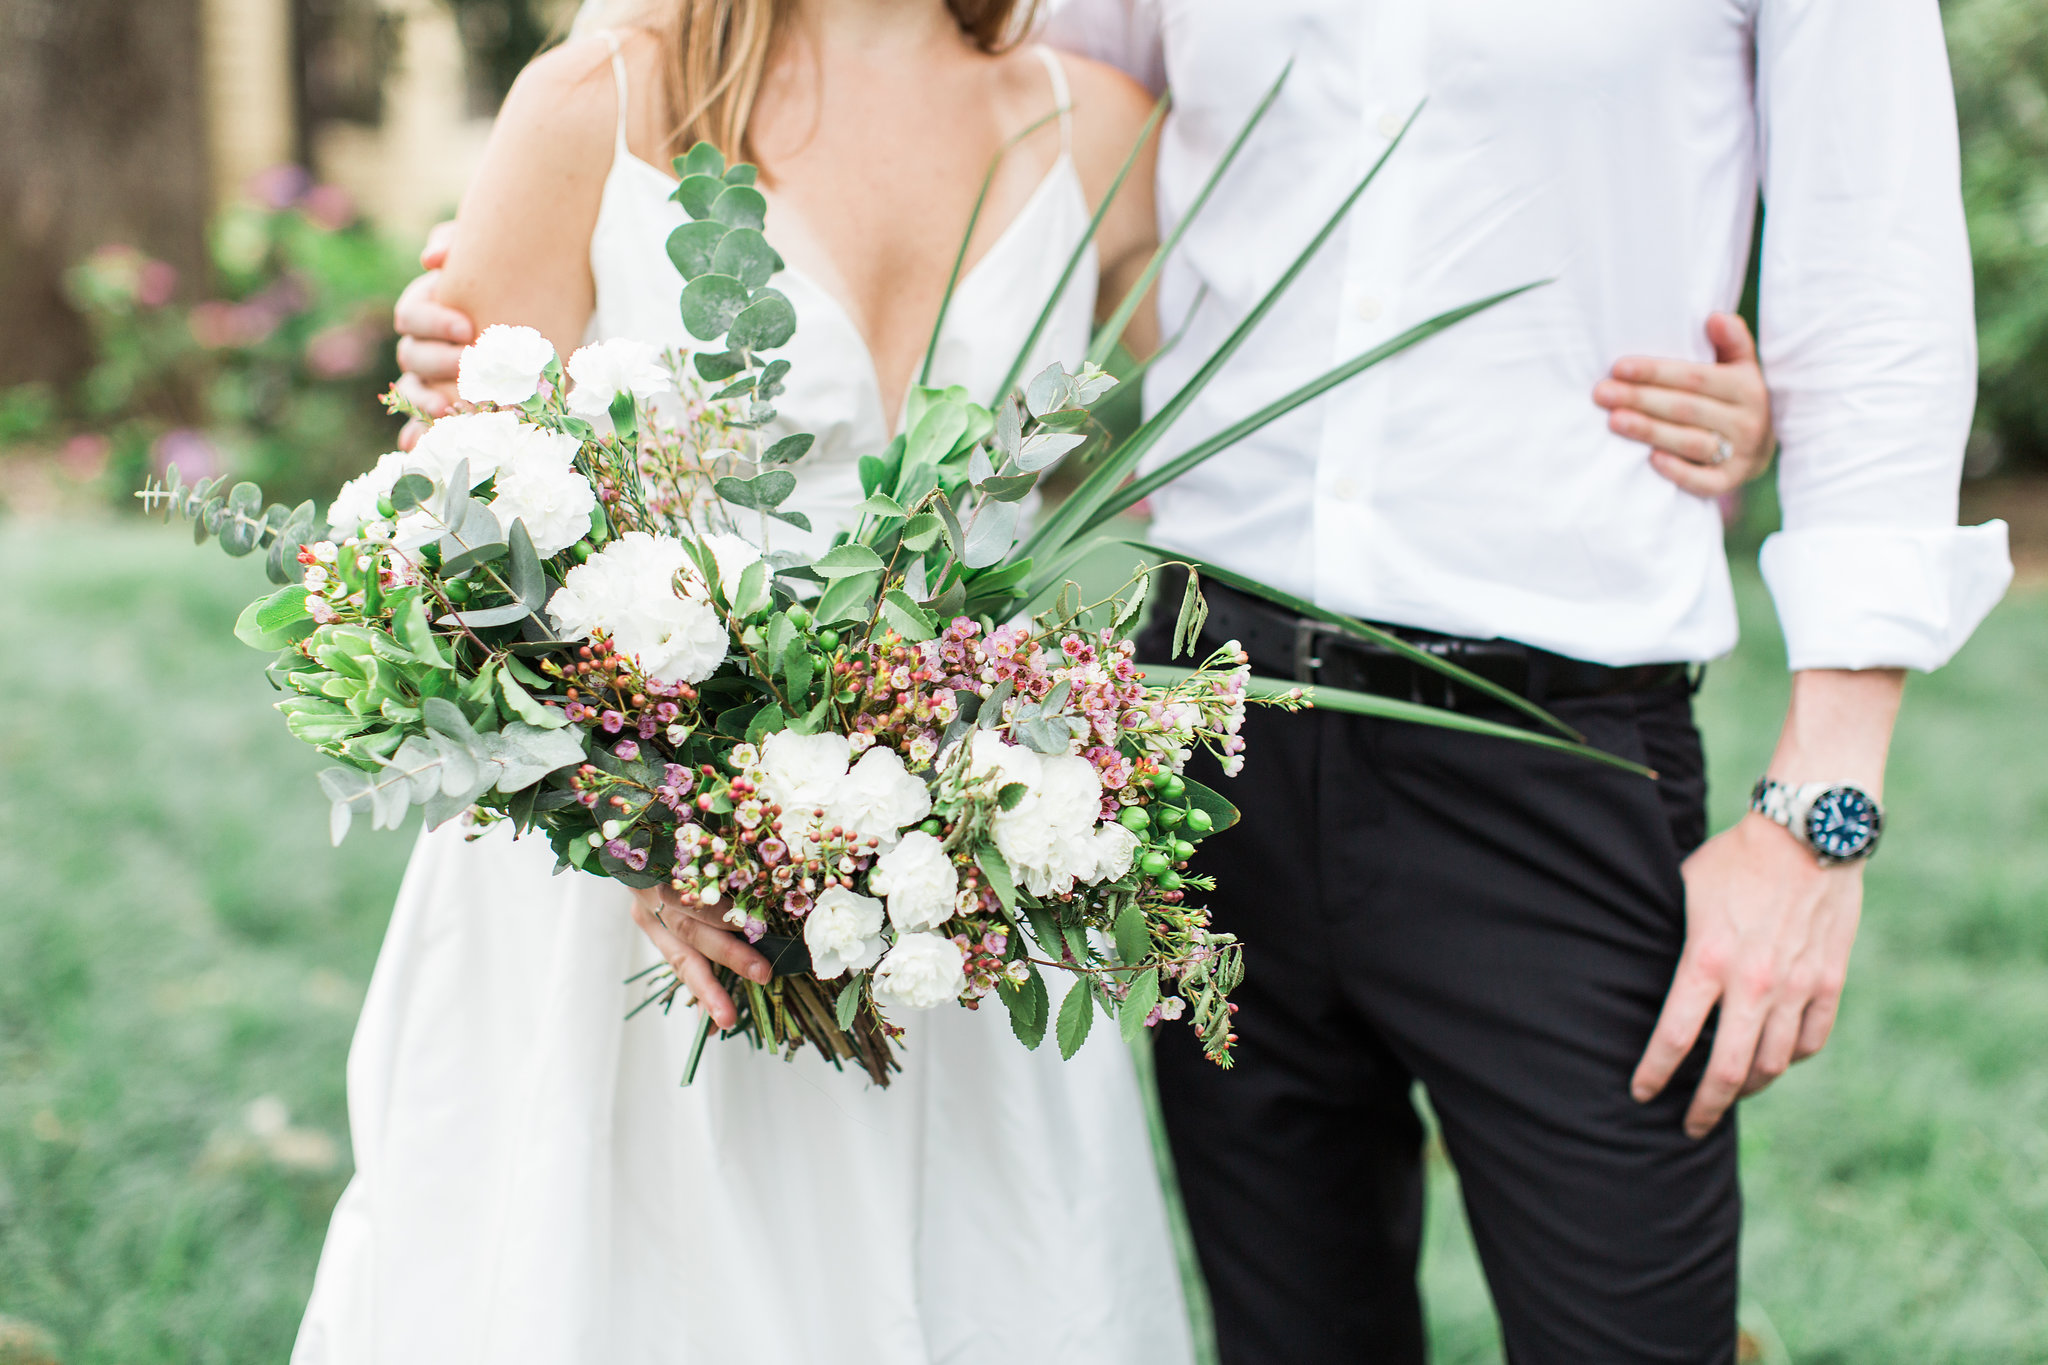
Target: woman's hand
(1708,426)
(431,336)
(691,938)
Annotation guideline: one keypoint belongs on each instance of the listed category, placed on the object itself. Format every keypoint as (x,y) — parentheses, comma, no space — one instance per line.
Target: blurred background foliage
(1999,52)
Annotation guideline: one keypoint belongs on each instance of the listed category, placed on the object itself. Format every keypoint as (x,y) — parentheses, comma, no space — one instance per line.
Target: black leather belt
(1284,645)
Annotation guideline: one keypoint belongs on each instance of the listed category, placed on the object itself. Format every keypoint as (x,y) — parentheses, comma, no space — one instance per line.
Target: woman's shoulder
(565,104)
(1109,107)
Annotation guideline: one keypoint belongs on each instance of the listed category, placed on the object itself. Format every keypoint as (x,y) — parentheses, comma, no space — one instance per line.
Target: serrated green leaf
(842,561)
(907,618)
(882,505)
(997,869)
(1139,1004)
(1133,937)
(846,599)
(1077,1016)
(752,595)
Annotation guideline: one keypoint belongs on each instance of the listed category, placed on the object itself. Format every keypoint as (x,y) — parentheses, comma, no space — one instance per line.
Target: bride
(532,1185)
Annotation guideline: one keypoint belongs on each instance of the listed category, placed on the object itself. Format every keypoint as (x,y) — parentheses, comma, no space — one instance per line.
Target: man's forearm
(1839,727)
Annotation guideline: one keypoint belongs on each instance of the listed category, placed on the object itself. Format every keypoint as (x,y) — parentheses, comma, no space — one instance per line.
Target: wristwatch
(1840,823)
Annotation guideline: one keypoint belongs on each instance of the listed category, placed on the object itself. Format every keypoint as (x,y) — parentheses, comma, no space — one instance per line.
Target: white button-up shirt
(1617,148)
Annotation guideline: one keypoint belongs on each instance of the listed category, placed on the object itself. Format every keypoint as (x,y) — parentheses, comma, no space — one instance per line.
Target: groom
(1583,983)
(1580,979)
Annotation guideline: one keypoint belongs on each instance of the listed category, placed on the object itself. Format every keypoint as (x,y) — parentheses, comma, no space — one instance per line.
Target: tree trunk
(105,141)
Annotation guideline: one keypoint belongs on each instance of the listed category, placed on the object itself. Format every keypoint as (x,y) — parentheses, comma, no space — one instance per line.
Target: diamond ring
(1723,453)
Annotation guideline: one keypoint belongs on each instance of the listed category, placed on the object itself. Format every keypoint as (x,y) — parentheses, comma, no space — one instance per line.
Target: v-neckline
(893,421)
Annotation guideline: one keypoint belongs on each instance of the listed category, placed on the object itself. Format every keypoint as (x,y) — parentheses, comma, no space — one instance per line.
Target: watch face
(1844,823)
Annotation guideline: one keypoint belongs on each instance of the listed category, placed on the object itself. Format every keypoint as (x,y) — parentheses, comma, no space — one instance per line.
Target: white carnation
(878,797)
(922,971)
(356,503)
(843,932)
(801,773)
(1048,836)
(919,881)
(540,486)
(605,369)
(733,555)
(485,441)
(1115,850)
(627,591)
(504,365)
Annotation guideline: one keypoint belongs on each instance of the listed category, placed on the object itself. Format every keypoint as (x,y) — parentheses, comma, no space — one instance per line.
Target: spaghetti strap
(611,40)
(1063,99)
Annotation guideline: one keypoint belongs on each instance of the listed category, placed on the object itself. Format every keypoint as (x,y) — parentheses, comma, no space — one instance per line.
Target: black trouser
(1500,923)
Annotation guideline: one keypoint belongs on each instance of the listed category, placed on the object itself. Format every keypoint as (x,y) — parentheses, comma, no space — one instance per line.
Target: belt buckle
(1307,657)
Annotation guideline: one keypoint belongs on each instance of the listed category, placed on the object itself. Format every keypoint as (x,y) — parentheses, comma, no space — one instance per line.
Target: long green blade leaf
(1074,258)
(1113,331)
(1082,504)
(931,350)
(1386,708)
(1143,487)
(1354,627)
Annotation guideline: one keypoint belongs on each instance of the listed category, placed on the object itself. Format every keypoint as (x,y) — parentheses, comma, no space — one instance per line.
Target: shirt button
(1346,490)
(1390,125)
(1368,307)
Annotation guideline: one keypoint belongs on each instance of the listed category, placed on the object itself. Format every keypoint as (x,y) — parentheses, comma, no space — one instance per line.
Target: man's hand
(690,939)
(1685,412)
(1768,933)
(1768,929)
(431,338)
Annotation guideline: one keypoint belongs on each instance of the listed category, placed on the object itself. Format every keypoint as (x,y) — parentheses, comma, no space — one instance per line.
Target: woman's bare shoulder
(1109,108)
(563,108)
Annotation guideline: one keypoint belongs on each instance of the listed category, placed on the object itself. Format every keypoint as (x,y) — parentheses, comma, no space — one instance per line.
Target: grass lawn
(181,959)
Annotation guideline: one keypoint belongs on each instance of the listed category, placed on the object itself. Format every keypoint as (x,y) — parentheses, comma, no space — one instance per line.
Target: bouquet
(916,768)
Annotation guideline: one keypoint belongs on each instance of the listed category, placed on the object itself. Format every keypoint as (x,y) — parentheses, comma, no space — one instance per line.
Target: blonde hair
(715,53)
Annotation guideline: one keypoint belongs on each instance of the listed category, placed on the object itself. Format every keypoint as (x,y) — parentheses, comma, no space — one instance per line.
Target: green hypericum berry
(1171,786)
(934,826)
(828,640)
(1134,819)
(1169,816)
(582,551)
(385,507)
(798,616)
(1199,821)
(1155,864)
(1170,881)
(1182,850)
(457,591)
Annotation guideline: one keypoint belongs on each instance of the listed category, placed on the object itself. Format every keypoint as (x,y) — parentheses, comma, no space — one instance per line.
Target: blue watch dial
(1844,823)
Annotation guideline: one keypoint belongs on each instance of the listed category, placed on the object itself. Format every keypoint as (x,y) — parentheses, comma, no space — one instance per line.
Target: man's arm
(1869,348)
(1768,929)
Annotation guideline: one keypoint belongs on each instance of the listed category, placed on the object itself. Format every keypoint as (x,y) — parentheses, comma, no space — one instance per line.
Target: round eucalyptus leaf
(740,206)
(741,174)
(410,491)
(710,303)
(697,193)
(766,323)
(702,159)
(693,245)
(745,255)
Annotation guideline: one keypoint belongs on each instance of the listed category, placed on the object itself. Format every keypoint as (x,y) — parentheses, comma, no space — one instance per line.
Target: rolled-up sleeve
(1868,336)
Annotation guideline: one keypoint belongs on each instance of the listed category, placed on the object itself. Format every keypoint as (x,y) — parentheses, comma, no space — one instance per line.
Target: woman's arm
(1110,110)
(521,251)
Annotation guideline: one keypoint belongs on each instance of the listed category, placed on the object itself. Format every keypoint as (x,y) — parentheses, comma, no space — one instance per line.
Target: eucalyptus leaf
(702,159)
(1009,487)
(789,449)
(410,491)
(769,321)
(992,535)
(1045,449)
(710,303)
(848,1004)
(528,581)
(759,493)
(746,256)
(741,206)
(698,193)
(484,618)
(693,247)
(1050,390)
